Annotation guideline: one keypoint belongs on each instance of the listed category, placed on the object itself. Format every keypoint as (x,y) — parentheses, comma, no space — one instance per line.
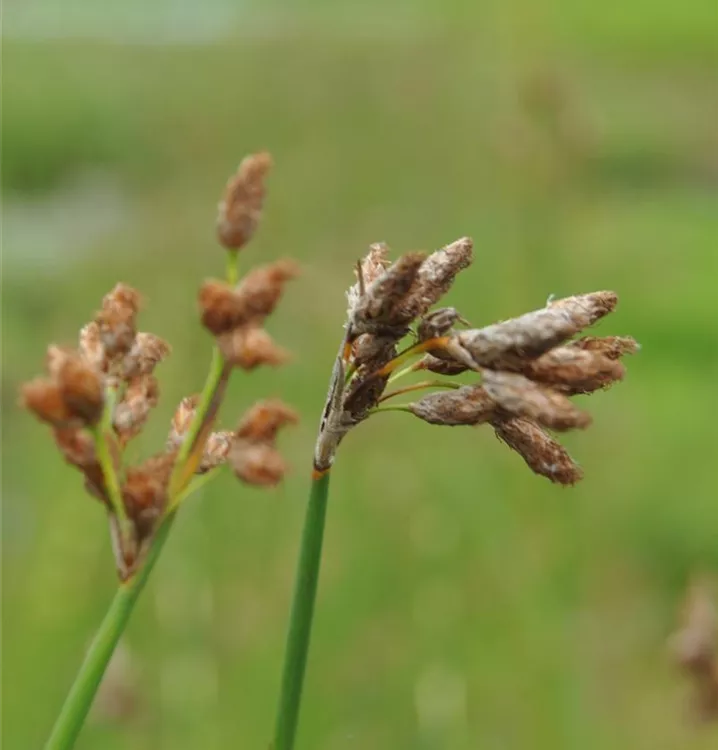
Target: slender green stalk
(210,386)
(403,372)
(112,482)
(79,700)
(300,623)
(392,407)
(82,693)
(214,377)
(420,387)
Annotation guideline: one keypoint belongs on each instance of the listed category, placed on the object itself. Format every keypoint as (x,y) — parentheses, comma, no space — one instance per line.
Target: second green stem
(81,696)
(300,623)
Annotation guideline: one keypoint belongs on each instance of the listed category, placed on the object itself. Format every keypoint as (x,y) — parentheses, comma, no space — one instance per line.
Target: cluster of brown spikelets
(98,396)
(529,366)
(695,648)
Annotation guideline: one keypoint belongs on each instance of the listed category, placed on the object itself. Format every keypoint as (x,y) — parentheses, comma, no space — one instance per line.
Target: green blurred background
(464,602)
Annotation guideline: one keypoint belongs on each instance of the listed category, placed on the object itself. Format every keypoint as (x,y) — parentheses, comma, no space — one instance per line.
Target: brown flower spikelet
(90,346)
(181,420)
(44,399)
(573,370)
(220,309)
(82,389)
(146,353)
(141,396)
(508,344)
(117,319)
(253,456)
(468,405)
(144,491)
(261,289)
(542,454)
(73,393)
(249,347)
(76,445)
(225,308)
(257,464)
(264,420)
(216,450)
(436,275)
(379,310)
(369,270)
(521,397)
(240,212)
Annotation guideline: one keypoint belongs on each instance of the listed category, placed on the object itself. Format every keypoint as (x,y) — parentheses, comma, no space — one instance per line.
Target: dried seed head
(369,270)
(77,446)
(573,370)
(182,420)
(257,464)
(225,308)
(379,310)
(253,457)
(612,347)
(521,397)
(240,211)
(468,405)
(141,396)
(91,348)
(44,399)
(543,454)
(437,274)
(508,344)
(144,491)
(216,450)
(80,385)
(263,420)
(220,309)
(260,290)
(146,353)
(437,323)
(249,347)
(117,319)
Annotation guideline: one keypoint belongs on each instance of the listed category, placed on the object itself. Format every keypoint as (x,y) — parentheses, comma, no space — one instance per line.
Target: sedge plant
(97,397)
(527,369)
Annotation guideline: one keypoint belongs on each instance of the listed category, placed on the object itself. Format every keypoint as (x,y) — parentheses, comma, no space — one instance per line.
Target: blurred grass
(463,603)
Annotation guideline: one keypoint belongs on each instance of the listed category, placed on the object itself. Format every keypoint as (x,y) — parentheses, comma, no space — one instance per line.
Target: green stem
(391,407)
(112,483)
(420,387)
(216,370)
(78,702)
(300,623)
